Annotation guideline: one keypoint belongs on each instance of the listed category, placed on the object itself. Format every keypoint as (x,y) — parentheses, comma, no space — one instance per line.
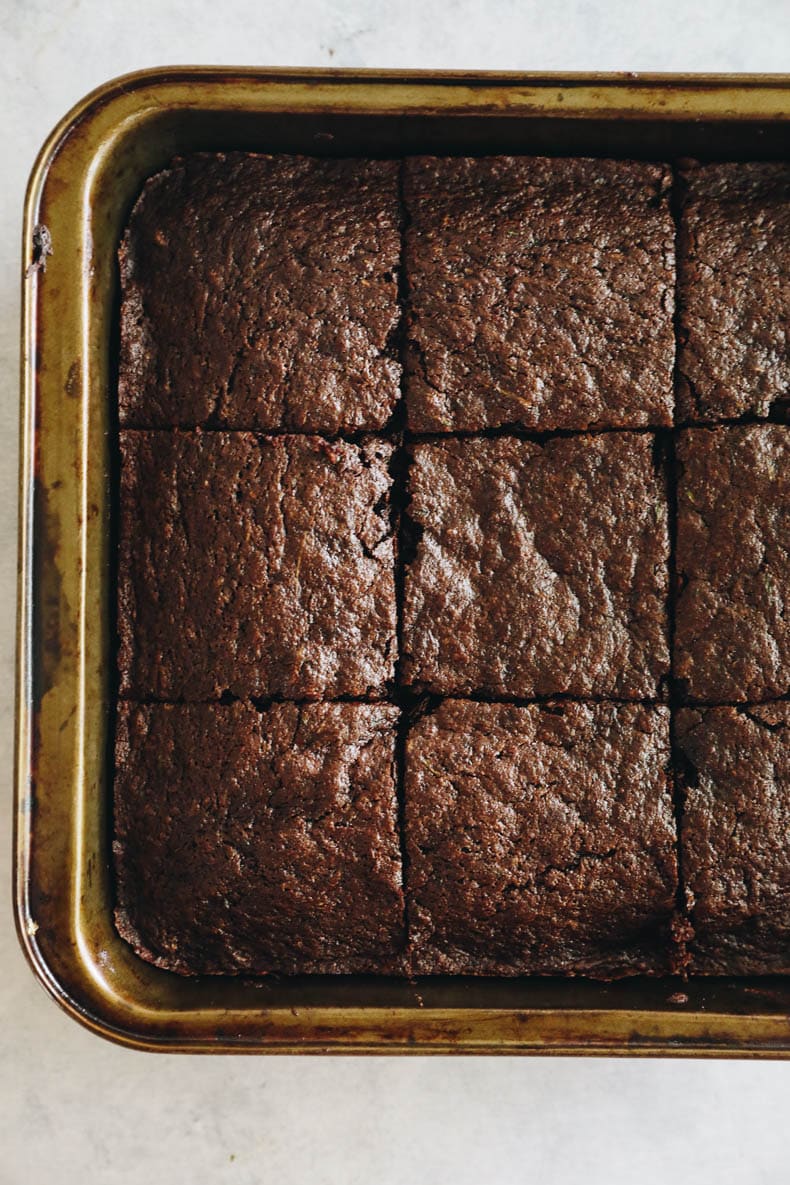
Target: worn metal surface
(81,190)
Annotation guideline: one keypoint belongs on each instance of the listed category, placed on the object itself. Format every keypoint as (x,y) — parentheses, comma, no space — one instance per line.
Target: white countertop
(74,1109)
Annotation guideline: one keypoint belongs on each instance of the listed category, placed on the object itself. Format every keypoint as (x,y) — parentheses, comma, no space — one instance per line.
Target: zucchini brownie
(732,632)
(734,294)
(250,841)
(538,569)
(261,292)
(735,829)
(541,293)
(540,839)
(259,566)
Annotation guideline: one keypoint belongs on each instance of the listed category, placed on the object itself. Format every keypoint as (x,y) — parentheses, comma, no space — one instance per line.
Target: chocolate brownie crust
(539,569)
(541,293)
(254,841)
(261,292)
(734,296)
(258,566)
(735,851)
(732,634)
(540,840)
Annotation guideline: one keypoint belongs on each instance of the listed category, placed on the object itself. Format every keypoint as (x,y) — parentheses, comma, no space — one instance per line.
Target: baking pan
(80,194)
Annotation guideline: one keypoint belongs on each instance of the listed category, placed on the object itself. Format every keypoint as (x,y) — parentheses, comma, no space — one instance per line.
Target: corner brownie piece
(251,841)
(258,566)
(732,632)
(540,840)
(541,293)
(735,852)
(538,569)
(261,292)
(734,295)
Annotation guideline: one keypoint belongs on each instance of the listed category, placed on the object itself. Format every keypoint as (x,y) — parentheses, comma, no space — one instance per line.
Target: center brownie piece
(541,293)
(538,570)
(261,566)
(258,841)
(540,840)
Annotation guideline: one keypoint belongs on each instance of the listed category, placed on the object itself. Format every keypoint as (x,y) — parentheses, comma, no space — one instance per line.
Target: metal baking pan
(81,191)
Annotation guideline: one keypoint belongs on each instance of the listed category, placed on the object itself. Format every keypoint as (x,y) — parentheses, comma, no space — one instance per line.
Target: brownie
(256,566)
(250,841)
(541,293)
(540,840)
(261,292)
(734,295)
(732,633)
(735,853)
(538,569)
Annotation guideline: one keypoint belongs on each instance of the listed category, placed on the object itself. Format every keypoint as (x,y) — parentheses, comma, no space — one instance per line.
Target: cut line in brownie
(254,842)
(734,295)
(540,840)
(261,292)
(537,569)
(540,293)
(736,825)
(259,566)
(732,632)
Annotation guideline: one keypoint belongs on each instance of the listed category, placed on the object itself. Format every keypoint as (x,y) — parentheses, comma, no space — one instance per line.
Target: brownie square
(732,633)
(538,569)
(541,293)
(735,853)
(540,840)
(734,295)
(261,292)
(260,566)
(250,841)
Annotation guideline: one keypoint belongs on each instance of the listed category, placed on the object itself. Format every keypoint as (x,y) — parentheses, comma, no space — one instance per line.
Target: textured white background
(74,1109)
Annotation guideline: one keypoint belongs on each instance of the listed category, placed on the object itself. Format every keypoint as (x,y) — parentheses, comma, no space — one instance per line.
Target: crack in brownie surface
(538,569)
(263,566)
